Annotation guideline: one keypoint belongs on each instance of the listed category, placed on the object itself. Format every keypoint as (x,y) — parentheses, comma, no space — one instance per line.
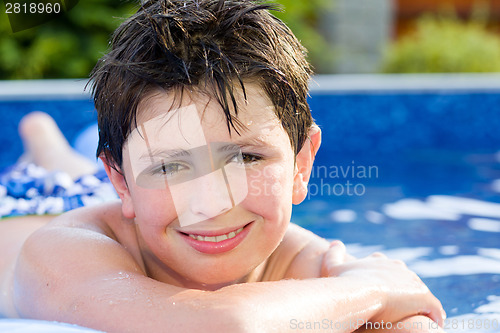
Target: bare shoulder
(102,224)
(298,256)
(69,252)
(42,232)
(307,262)
(102,221)
(101,218)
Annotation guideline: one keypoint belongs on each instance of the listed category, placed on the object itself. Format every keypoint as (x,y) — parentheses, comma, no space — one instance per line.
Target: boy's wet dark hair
(213,45)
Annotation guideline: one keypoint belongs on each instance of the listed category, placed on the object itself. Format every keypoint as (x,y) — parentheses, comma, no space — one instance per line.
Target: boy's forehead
(253,106)
(181,128)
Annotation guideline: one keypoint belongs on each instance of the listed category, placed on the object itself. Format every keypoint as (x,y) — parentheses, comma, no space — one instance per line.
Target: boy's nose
(211,197)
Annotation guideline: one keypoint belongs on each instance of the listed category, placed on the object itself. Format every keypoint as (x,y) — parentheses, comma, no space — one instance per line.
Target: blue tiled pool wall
(355,125)
(388,123)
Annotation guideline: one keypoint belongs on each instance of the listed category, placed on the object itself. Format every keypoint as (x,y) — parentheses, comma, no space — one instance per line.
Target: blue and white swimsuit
(27,189)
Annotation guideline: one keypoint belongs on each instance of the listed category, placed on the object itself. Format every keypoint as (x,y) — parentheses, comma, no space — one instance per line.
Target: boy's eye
(250,158)
(169,169)
(245,158)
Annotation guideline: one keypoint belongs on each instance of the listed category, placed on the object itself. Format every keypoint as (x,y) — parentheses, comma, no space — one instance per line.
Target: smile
(216,239)
(212,243)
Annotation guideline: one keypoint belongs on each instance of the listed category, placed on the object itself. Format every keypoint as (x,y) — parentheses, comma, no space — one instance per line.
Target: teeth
(220,238)
(216,239)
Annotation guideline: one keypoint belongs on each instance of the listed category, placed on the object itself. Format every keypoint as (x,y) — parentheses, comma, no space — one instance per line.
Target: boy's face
(209,206)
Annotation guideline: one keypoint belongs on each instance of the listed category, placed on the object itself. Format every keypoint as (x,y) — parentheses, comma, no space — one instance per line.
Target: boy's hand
(336,255)
(405,294)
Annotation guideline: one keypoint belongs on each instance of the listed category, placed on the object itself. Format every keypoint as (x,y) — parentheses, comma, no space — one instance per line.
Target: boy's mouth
(218,238)
(214,242)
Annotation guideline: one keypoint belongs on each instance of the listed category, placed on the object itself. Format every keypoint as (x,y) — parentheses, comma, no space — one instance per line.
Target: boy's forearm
(139,304)
(252,307)
(336,304)
(128,302)
(343,304)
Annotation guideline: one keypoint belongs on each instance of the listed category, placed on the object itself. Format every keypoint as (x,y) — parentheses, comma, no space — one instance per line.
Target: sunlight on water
(441,207)
(459,265)
(482,224)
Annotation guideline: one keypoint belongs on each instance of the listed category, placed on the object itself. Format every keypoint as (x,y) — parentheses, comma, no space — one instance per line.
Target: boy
(206,135)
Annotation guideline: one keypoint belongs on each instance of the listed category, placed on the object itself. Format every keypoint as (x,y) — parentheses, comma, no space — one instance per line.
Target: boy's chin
(215,283)
(220,277)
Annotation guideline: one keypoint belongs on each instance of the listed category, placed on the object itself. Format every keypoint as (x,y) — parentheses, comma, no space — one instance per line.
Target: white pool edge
(404,83)
(321,84)
(44,89)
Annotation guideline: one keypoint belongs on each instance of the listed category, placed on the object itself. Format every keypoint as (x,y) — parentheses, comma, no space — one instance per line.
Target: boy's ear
(304,164)
(119,182)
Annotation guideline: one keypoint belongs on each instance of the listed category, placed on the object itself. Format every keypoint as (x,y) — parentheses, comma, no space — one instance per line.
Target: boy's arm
(308,254)
(82,276)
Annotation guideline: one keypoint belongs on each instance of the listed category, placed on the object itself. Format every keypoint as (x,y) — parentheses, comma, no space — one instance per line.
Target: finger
(349,257)
(433,309)
(437,313)
(334,256)
(378,255)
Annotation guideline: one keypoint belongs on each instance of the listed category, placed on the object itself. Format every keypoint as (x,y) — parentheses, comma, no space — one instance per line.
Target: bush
(67,47)
(303,19)
(445,45)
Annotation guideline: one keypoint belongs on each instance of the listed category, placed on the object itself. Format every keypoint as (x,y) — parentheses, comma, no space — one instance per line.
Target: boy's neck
(173,278)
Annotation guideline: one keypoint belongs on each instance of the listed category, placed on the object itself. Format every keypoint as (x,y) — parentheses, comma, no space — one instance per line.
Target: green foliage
(445,45)
(67,47)
(302,16)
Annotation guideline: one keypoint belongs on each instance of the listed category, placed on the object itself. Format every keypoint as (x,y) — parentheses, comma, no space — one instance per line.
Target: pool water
(416,176)
(411,173)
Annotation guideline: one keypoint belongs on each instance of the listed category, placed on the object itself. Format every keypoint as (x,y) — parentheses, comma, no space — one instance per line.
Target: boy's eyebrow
(233,147)
(228,147)
(249,142)
(166,153)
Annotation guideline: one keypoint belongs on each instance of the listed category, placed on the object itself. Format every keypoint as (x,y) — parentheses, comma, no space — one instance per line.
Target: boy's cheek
(153,206)
(269,183)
